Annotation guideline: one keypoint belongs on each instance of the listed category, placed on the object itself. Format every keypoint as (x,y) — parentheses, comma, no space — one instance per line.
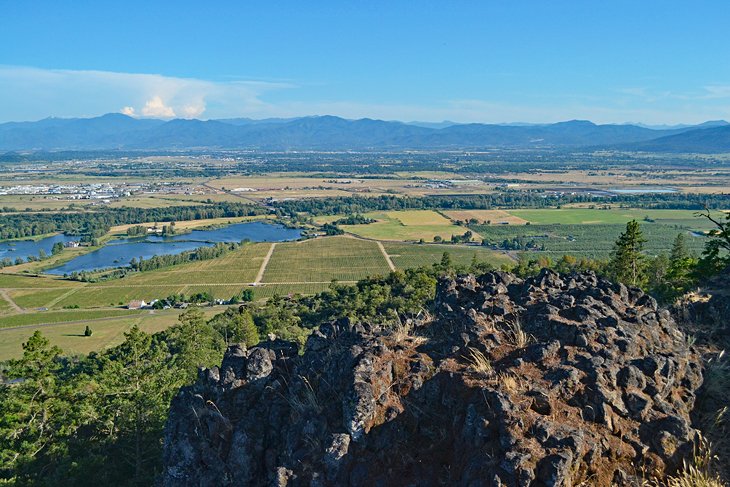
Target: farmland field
(106,333)
(25,319)
(35,298)
(5,306)
(587,216)
(32,282)
(324,259)
(483,216)
(406,256)
(265,291)
(406,226)
(594,241)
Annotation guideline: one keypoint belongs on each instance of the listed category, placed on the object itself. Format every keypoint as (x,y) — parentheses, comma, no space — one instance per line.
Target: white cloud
(156,108)
(28,93)
(193,110)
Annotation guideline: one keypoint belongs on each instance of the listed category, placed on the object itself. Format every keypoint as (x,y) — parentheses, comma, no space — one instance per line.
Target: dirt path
(13,304)
(387,257)
(62,297)
(260,275)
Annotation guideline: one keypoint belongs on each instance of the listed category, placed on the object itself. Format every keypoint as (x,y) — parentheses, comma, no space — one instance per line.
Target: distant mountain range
(117,131)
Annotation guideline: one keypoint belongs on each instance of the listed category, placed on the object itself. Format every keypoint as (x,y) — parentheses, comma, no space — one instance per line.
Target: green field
(406,256)
(50,317)
(594,241)
(265,291)
(38,298)
(325,259)
(5,307)
(411,225)
(106,333)
(16,281)
(588,216)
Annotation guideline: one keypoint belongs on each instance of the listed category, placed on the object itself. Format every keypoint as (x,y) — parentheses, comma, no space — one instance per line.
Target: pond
(13,249)
(119,252)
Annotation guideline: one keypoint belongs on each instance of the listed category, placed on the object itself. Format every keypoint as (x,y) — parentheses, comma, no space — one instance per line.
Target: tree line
(353,205)
(97,223)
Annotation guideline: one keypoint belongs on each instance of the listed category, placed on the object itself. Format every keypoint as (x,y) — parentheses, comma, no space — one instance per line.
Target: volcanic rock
(547,381)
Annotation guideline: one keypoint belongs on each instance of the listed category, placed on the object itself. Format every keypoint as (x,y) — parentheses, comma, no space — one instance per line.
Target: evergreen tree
(194,342)
(680,269)
(34,410)
(135,386)
(716,256)
(679,249)
(628,261)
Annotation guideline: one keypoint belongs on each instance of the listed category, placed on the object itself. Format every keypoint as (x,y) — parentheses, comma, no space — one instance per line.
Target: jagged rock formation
(548,381)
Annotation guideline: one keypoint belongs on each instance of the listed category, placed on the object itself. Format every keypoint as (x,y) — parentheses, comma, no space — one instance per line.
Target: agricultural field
(594,241)
(146,201)
(266,291)
(8,280)
(588,216)
(5,306)
(177,199)
(106,332)
(495,217)
(222,277)
(50,317)
(290,185)
(324,259)
(412,225)
(694,180)
(40,202)
(39,298)
(406,256)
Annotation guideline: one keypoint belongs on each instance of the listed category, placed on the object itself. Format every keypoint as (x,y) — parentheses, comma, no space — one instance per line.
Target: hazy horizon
(652,63)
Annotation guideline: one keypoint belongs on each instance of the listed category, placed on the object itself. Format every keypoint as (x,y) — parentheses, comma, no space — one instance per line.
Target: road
(260,275)
(4,294)
(387,257)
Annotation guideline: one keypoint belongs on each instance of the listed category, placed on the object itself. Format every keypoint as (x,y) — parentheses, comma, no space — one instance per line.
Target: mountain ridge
(327,132)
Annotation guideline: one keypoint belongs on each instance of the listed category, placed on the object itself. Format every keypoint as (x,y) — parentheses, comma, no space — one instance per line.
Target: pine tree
(681,264)
(628,262)
(716,256)
(135,385)
(679,249)
(33,411)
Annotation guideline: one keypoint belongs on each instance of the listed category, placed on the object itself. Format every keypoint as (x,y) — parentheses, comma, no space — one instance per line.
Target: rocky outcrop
(705,313)
(549,381)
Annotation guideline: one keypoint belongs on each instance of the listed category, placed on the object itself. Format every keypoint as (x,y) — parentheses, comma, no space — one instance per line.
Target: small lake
(119,252)
(12,249)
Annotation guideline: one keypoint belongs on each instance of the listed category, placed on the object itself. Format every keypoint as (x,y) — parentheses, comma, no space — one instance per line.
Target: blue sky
(470,61)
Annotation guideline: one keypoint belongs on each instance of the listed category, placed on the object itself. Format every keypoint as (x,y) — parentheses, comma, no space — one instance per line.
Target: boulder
(547,381)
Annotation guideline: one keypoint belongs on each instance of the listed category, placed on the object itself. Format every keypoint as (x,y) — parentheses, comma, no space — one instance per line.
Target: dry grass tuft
(697,472)
(516,336)
(509,383)
(478,361)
